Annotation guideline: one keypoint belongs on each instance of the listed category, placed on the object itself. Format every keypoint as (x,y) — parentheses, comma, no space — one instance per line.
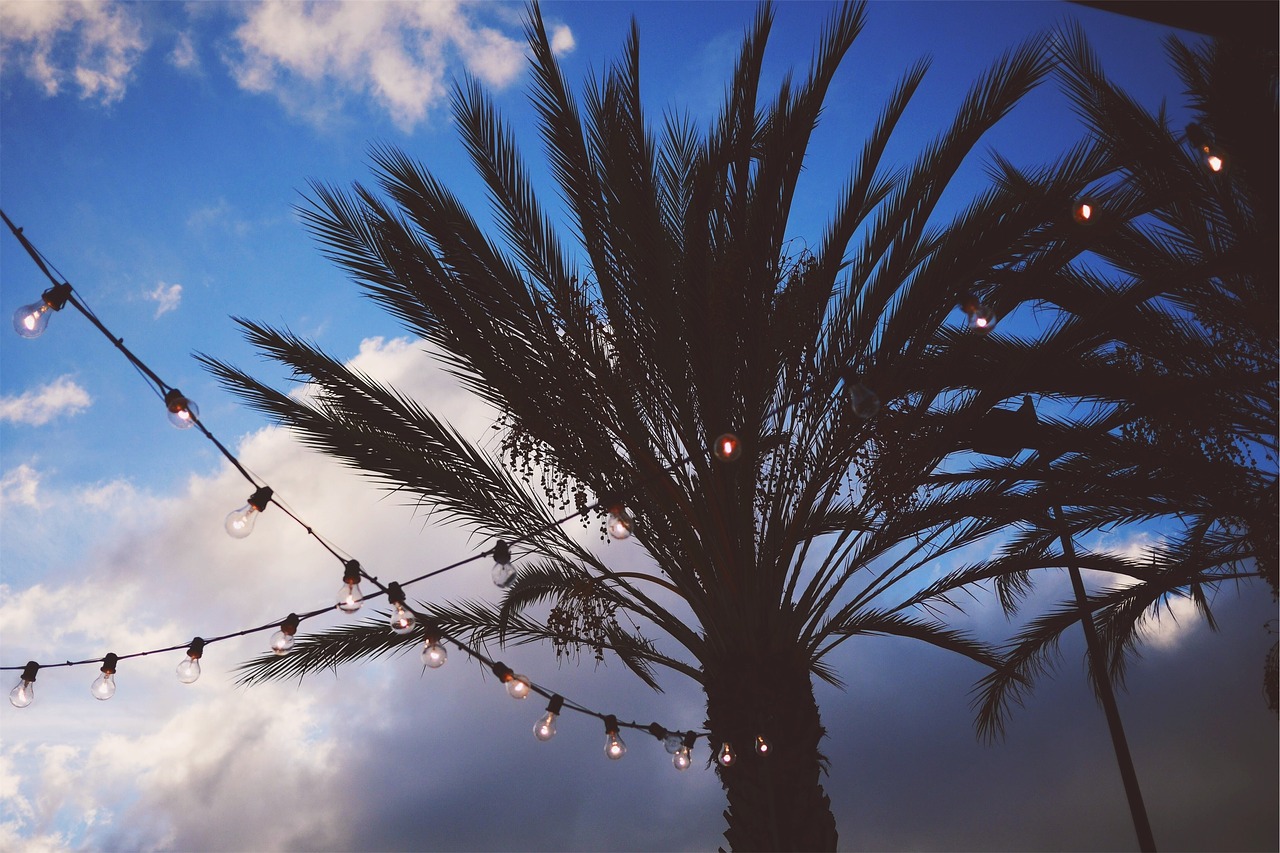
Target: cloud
(87,45)
(562,40)
(167,298)
(184,56)
(20,487)
(310,56)
(62,397)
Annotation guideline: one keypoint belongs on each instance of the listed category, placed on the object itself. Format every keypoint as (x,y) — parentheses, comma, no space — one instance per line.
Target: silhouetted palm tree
(678,310)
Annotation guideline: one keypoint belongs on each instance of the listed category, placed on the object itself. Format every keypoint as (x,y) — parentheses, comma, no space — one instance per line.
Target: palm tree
(1175,324)
(682,312)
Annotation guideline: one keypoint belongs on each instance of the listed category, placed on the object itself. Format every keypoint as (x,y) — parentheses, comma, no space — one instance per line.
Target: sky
(155,153)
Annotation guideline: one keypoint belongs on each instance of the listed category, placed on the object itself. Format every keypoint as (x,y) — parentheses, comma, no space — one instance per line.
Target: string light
(104,686)
(402,618)
(862,400)
(282,640)
(30,321)
(434,655)
(1211,154)
(682,759)
(545,729)
(189,669)
(1084,211)
(240,522)
(981,317)
(727,447)
(613,745)
(726,756)
(619,523)
(763,747)
(518,686)
(349,597)
(24,692)
(502,571)
(183,413)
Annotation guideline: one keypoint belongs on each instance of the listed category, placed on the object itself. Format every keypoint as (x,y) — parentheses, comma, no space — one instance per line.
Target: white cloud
(87,45)
(20,487)
(1166,624)
(166,296)
(184,55)
(311,55)
(62,397)
(562,40)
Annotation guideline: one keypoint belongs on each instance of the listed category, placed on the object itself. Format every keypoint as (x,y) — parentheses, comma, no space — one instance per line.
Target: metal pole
(1101,681)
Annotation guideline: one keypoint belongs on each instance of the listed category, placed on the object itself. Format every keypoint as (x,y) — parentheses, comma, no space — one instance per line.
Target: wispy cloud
(184,55)
(167,298)
(309,56)
(89,46)
(20,487)
(60,398)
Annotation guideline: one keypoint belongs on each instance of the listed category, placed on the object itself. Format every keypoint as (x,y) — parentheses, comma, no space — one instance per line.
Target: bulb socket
(290,624)
(260,498)
(658,731)
(351,572)
(610,724)
(395,594)
(556,703)
(56,297)
(109,662)
(29,671)
(502,671)
(196,649)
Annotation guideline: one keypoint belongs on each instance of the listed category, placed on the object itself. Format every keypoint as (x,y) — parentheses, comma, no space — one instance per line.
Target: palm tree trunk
(775,799)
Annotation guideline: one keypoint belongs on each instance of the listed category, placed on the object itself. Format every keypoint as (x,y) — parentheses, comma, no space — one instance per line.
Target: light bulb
(727,447)
(673,744)
(24,692)
(30,321)
(402,619)
(349,597)
(183,413)
(1210,153)
(681,760)
(763,746)
(282,640)
(189,669)
(863,401)
(1084,211)
(726,755)
(614,748)
(981,317)
(545,728)
(518,687)
(1216,162)
(434,655)
(240,522)
(619,523)
(104,686)
(502,570)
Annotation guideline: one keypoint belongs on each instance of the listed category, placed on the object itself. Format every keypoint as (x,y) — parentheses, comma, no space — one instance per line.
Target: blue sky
(155,153)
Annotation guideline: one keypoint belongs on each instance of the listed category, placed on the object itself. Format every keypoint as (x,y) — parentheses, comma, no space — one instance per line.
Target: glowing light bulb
(282,640)
(104,686)
(402,618)
(726,755)
(189,669)
(183,413)
(863,401)
(763,747)
(518,686)
(545,729)
(349,597)
(24,692)
(727,447)
(1210,153)
(981,317)
(502,570)
(434,655)
(240,522)
(614,748)
(681,760)
(30,321)
(619,523)
(1084,211)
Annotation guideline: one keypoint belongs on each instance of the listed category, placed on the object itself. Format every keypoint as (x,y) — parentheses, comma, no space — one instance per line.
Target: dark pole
(1102,683)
